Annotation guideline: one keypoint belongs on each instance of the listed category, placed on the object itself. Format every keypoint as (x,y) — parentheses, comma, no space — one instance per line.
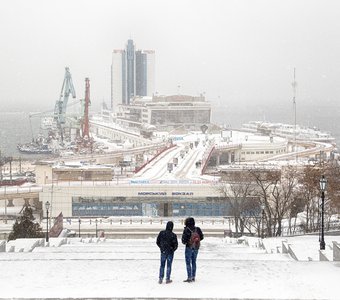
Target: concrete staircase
(90,268)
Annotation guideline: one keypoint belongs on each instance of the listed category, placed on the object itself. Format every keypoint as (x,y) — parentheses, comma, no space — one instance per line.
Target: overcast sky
(234,51)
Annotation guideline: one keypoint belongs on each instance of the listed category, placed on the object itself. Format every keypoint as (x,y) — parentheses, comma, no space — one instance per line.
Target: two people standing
(167,242)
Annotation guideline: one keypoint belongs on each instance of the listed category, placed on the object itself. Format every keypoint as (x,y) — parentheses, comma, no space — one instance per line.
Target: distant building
(132,74)
(46,172)
(165,112)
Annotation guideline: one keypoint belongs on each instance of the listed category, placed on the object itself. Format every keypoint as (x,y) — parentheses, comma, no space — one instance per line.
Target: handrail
(20,190)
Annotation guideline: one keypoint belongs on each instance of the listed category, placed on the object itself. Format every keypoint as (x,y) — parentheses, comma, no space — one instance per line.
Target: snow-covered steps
(128,269)
(145,249)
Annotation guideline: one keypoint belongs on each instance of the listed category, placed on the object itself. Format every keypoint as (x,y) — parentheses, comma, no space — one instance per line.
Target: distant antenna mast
(294,84)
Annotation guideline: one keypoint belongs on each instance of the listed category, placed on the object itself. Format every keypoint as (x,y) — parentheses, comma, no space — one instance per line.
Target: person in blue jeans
(191,238)
(167,243)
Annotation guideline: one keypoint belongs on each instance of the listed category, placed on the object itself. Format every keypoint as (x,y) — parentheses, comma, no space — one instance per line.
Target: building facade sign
(165,193)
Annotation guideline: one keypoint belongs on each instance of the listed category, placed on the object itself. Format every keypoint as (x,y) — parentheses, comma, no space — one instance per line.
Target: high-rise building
(130,71)
(141,73)
(150,68)
(132,74)
(118,73)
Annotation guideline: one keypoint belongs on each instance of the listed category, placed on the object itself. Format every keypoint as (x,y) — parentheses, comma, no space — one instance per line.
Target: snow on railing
(127,220)
(158,154)
(20,190)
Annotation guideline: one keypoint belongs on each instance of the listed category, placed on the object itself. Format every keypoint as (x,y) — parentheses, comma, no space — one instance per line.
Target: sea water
(18,127)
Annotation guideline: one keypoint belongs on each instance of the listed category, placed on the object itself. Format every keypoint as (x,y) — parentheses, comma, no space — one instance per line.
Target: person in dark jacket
(191,238)
(167,243)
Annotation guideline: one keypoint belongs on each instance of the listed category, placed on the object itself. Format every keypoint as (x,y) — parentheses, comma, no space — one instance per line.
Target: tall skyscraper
(141,73)
(132,74)
(130,71)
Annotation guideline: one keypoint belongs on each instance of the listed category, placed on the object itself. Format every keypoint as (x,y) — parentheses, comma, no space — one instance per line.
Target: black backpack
(195,239)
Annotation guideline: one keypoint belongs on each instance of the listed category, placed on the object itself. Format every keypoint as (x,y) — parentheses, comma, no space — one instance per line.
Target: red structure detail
(157,154)
(205,160)
(85,125)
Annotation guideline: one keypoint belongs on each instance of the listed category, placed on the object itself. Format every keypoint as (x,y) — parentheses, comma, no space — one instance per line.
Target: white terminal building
(82,191)
(157,190)
(133,198)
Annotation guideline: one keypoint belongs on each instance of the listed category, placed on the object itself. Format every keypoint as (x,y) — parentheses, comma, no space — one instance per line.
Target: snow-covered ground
(129,268)
(186,158)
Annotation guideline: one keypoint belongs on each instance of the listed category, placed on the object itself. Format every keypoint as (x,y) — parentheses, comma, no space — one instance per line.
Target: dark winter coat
(167,240)
(188,229)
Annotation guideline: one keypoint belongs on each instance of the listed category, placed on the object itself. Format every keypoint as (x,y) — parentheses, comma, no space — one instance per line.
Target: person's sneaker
(187,280)
(168,281)
(160,280)
(193,279)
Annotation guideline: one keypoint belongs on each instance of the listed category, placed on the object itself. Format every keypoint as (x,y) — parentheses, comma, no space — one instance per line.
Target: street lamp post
(47,206)
(323,184)
(96,228)
(262,219)
(79,221)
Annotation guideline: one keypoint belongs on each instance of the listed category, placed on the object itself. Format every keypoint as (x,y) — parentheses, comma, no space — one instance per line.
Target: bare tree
(250,218)
(309,194)
(283,197)
(266,180)
(283,193)
(236,189)
(332,173)
(296,206)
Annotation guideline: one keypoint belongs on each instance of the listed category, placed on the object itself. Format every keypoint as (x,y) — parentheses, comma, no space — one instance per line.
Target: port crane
(61,104)
(85,122)
(85,142)
(63,126)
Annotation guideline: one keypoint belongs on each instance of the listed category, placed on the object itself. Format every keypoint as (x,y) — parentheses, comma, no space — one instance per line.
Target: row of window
(150,209)
(180,116)
(264,152)
(200,209)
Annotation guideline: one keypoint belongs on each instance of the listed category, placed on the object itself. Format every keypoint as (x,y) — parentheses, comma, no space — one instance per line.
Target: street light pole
(47,206)
(323,183)
(79,221)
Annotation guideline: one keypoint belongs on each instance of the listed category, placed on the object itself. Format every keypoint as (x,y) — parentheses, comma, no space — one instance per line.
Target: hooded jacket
(167,240)
(188,229)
